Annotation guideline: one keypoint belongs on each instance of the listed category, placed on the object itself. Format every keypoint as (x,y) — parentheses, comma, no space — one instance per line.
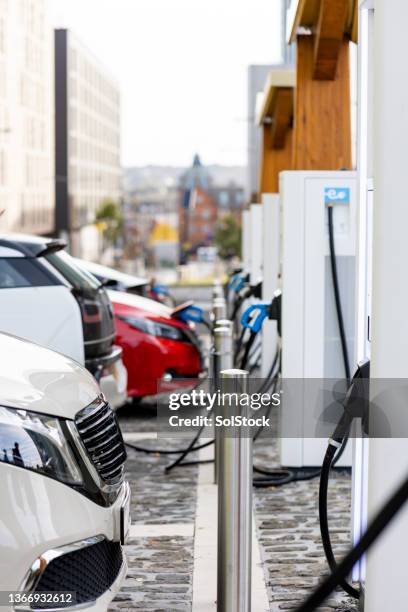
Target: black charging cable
(355,406)
(381,521)
(335,279)
(338,442)
(248,345)
(246,292)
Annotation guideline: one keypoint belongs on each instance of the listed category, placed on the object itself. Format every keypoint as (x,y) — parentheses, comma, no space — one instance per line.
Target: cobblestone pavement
(289,534)
(160,568)
(159,577)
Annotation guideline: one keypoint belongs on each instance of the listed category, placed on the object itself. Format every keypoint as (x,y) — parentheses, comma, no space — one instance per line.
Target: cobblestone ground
(160,568)
(289,535)
(159,577)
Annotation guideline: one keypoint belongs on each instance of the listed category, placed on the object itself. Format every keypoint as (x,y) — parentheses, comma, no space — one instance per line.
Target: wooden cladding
(322,122)
(329,37)
(274,160)
(282,117)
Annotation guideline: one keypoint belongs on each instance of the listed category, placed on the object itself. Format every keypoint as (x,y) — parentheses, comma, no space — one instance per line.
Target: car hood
(37,379)
(111,274)
(151,307)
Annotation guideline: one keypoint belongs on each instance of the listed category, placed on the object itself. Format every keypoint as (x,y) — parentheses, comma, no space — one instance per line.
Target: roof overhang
(276,107)
(306,14)
(277,80)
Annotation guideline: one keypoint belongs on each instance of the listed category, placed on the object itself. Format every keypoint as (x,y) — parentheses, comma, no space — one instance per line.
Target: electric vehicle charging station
(255,268)
(386,563)
(363,261)
(311,347)
(246,241)
(270,259)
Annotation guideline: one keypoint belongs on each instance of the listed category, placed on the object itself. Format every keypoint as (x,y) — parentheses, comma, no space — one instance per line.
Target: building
(87,143)
(151,219)
(256,78)
(203,204)
(255,84)
(26,118)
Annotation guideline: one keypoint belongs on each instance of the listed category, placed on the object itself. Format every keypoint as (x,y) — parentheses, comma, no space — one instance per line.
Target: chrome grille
(100,433)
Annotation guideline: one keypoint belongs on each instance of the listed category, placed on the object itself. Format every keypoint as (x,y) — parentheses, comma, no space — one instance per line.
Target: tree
(109,218)
(228,237)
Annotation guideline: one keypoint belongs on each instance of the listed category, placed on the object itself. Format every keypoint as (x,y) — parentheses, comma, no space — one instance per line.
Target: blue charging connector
(237,282)
(160,289)
(254,322)
(192,313)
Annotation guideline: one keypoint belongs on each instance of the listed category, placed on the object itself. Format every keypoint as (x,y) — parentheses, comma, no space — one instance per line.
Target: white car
(46,298)
(64,511)
(115,280)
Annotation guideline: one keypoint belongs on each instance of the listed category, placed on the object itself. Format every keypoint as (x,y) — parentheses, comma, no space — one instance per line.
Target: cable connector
(252,321)
(275,309)
(334,443)
(192,313)
(237,281)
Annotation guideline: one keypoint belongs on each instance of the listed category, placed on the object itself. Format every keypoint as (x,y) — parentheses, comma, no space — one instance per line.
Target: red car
(156,346)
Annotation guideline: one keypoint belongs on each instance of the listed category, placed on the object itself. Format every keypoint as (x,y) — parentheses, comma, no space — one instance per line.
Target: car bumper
(111,374)
(42,516)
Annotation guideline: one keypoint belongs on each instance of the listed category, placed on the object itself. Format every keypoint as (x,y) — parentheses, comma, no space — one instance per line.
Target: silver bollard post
(234,505)
(219,309)
(222,360)
(217,290)
(224,323)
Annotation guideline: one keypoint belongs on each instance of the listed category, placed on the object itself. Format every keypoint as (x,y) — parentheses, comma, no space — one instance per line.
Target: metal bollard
(234,506)
(219,309)
(222,360)
(218,290)
(224,323)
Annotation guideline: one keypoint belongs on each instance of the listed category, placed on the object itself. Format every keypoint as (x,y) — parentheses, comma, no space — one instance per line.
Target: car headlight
(155,328)
(37,442)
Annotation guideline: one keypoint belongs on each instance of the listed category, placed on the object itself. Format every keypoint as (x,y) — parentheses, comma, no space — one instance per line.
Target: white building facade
(26,118)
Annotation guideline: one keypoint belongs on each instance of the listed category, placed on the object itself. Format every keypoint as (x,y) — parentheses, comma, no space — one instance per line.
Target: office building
(87,143)
(26,118)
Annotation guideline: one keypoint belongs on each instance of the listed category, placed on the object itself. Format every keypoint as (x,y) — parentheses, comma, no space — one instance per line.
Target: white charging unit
(311,346)
(246,241)
(270,283)
(363,263)
(255,269)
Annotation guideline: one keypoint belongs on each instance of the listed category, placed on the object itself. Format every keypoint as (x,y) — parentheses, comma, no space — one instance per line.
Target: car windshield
(76,276)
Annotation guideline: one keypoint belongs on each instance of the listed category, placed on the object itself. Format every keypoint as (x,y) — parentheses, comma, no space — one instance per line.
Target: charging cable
(355,406)
(381,521)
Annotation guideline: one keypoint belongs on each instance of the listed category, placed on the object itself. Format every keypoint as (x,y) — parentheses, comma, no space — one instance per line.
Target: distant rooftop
(195,176)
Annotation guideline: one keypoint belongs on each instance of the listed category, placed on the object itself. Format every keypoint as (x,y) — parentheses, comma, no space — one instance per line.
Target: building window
(239,197)
(223,198)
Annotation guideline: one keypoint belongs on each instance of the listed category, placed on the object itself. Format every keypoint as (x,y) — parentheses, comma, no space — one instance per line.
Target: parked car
(48,299)
(64,512)
(119,281)
(157,348)
(115,280)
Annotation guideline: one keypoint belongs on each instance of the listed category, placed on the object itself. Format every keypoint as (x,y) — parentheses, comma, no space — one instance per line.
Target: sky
(182,68)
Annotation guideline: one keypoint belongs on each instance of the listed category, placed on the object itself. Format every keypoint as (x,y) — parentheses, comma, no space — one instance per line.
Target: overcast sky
(181,66)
